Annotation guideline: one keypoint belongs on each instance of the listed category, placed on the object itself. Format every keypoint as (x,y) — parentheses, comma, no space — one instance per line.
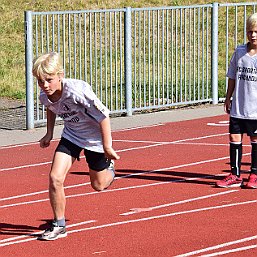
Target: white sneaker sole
(52,238)
(233,185)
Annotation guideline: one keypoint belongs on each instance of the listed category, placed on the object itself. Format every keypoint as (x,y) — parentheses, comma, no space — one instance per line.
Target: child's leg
(235,149)
(254,156)
(235,153)
(235,157)
(65,154)
(61,165)
(101,170)
(101,180)
(252,181)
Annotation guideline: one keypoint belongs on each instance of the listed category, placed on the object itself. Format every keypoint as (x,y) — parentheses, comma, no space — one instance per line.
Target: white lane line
(40,192)
(164,143)
(171,142)
(103,192)
(218,124)
(38,233)
(26,166)
(139,127)
(141,220)
(123,150)
(234,250)
(25,144)
(57,139)
(113,190)
(209,144)
(137,210)
(215,247)
(126,176)
(100,252)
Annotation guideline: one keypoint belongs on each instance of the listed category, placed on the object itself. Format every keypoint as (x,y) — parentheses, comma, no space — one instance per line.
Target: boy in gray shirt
(242,87)
(86,127)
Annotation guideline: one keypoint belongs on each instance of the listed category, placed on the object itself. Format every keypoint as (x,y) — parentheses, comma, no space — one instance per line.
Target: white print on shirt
(247,77)
(67,115)
(247,70)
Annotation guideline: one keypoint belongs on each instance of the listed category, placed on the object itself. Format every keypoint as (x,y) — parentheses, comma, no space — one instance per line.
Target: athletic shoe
(252,183)
(53,233)
(230,181)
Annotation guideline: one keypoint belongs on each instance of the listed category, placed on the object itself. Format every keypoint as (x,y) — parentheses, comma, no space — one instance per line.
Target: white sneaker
(53,233)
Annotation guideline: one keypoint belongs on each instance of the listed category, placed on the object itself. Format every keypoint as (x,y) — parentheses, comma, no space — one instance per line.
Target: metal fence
(139,58)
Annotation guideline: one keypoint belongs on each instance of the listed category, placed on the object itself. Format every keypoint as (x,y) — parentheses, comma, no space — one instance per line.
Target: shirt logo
(66,107)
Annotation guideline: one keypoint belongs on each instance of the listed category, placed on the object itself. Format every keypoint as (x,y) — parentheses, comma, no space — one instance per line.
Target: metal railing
(139,58)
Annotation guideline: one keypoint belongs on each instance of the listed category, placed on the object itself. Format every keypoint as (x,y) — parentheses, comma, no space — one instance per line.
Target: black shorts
(96,161)
(241,126)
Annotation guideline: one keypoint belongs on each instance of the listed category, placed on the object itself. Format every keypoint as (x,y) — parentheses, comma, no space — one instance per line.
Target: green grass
(12,50)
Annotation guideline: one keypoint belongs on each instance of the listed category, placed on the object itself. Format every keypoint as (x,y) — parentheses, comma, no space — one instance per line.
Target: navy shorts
(96,161)
(241,126)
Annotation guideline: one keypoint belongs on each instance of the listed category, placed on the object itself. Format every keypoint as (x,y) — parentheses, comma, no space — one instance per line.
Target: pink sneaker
(230,181)
(252,183)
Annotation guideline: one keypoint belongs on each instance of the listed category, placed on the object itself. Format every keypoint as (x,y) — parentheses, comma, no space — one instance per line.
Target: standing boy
(86,127)
(242,87)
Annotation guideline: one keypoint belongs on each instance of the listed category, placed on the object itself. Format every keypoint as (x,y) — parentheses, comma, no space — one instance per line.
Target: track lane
(149,175)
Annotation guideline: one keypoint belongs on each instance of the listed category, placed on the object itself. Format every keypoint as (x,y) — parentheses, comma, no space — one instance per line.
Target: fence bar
(215,53)
(128,61)
(29,77)
(120,60)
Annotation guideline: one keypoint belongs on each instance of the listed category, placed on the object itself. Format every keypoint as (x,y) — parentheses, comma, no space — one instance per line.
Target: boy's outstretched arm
(107,139)
(45,141)
(230,90)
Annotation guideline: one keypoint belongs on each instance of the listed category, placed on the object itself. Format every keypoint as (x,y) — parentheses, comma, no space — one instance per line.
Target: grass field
(12,61)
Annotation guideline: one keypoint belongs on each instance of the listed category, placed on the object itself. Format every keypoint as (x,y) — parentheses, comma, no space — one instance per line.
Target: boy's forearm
(230,90)
(106,132)
(50,122)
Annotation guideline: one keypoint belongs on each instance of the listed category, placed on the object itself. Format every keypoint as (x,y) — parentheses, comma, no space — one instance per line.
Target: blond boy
(242,88)
(86,127)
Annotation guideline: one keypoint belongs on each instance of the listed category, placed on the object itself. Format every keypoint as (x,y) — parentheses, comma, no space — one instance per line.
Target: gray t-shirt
(81,111)
(243,69)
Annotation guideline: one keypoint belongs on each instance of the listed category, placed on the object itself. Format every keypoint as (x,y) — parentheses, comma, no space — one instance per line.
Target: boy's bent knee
(100,186)
(101,180)
(97,187)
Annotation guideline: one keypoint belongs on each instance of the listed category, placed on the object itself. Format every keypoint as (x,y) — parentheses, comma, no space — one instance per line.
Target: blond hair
(47,64)
(251,22)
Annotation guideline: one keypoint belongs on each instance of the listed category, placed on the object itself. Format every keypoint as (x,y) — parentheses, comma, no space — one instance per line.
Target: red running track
(162,203)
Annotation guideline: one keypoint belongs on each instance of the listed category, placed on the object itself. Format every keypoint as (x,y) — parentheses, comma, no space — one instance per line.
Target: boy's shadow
(23,230)
(169,175)
(16,229)
(163,176)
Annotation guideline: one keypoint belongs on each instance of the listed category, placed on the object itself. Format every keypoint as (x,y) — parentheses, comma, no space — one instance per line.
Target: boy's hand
(227,106)
(45,141)
(111,154)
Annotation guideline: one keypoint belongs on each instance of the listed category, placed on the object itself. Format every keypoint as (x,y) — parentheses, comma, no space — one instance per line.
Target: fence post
(215,46)
(28,70)
(128,61)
